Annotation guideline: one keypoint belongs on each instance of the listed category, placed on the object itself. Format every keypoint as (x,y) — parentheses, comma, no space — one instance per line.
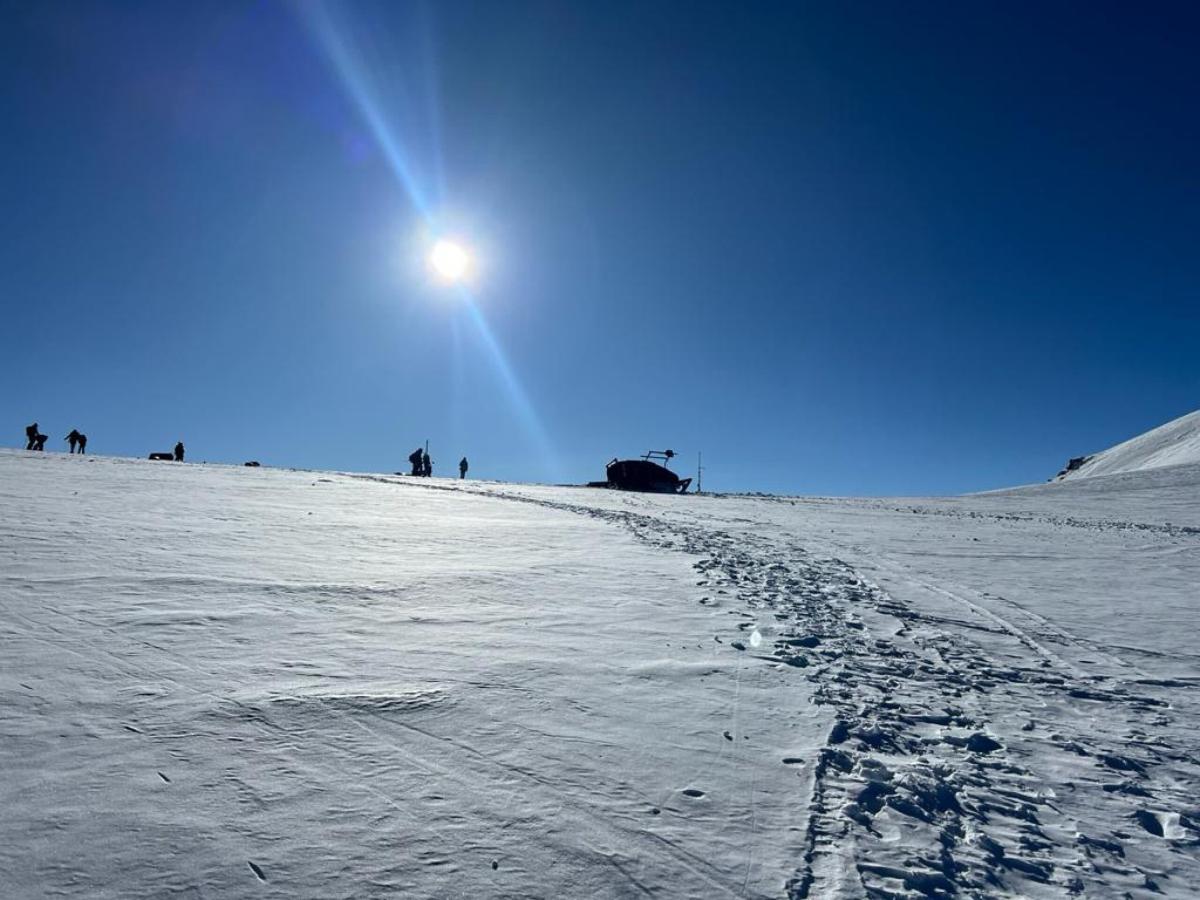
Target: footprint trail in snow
(967,758)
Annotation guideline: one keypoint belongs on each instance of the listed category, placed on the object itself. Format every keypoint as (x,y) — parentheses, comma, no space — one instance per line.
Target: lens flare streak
(337,41)
(516,392)
(372,84)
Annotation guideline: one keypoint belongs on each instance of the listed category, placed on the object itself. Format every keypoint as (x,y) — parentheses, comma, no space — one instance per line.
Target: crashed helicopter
(646,474)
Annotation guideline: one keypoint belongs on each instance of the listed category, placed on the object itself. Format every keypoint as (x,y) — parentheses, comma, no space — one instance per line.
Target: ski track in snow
(971,745)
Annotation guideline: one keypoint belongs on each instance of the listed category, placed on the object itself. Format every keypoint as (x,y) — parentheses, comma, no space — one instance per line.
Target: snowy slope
(243,682)
(1057,621)
(1172,444)
(225,682)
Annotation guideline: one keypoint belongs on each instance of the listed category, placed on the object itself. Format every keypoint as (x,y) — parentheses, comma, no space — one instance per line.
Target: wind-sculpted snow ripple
(398,702)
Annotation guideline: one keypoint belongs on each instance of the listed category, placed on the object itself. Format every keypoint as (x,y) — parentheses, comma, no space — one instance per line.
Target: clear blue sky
(839,248)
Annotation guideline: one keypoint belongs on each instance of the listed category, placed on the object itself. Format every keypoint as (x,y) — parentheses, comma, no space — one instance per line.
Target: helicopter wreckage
(646,474)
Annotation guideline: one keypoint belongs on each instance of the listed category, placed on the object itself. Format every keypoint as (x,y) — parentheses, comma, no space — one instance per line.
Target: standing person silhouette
(415,459)
(73,439)
(82,443)
(462,468)
(31,433)
(426,464)
(179,451)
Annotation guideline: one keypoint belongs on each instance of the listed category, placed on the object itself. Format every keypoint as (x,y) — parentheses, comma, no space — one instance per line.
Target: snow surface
(229,682)
(1173,444)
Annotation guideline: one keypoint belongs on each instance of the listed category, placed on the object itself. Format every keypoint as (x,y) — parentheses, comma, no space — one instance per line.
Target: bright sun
(449,260)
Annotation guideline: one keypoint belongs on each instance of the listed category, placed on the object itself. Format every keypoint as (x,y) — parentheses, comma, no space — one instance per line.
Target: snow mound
(1172,444)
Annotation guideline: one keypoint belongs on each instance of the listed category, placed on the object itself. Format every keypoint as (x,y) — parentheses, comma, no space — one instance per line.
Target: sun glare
(449,260)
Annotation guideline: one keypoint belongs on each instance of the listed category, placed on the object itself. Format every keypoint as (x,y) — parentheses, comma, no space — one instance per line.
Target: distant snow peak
(1173,444)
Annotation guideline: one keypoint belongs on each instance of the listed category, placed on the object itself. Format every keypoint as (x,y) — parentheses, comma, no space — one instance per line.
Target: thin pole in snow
(699,472)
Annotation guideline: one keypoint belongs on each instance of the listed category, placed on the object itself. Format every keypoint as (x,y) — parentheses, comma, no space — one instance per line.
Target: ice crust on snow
(221,682)
(1173,444)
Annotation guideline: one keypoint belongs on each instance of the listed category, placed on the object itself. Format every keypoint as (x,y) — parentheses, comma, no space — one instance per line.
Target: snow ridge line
(933,803)
(1165,528)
